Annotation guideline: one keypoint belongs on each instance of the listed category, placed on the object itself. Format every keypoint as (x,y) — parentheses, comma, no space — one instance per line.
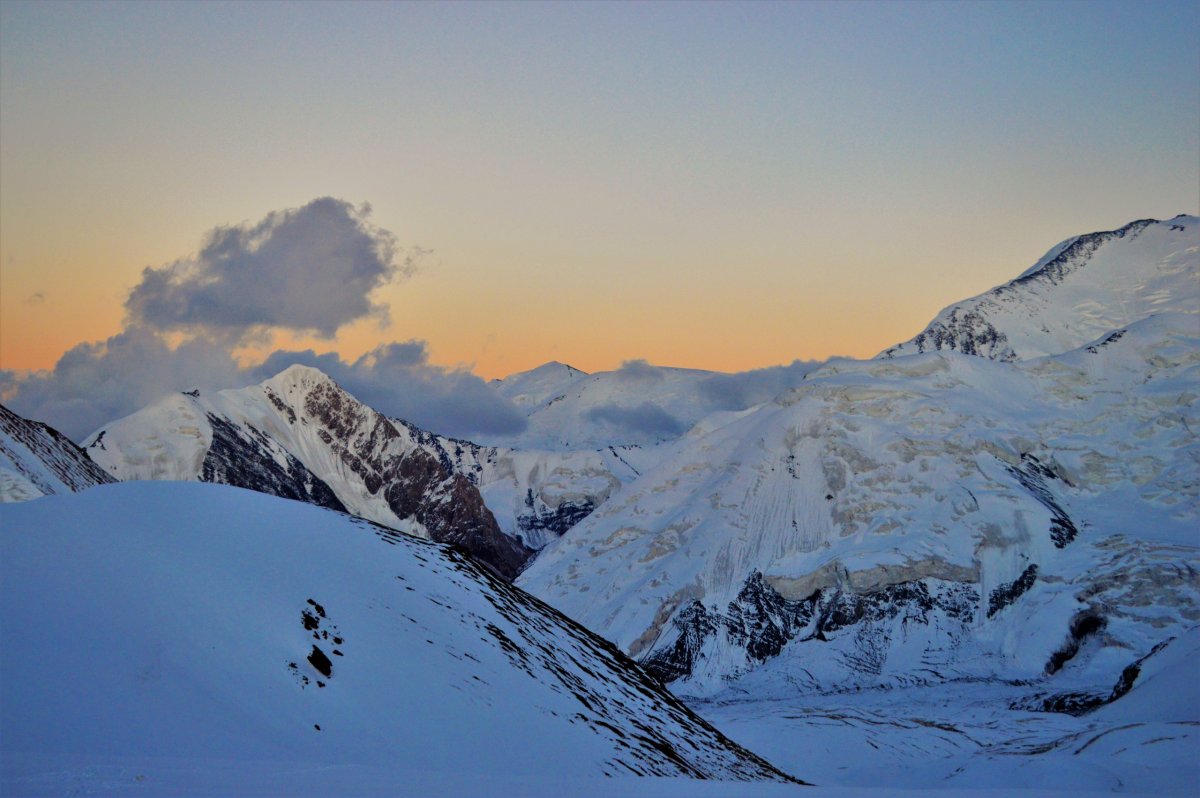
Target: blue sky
(713,185)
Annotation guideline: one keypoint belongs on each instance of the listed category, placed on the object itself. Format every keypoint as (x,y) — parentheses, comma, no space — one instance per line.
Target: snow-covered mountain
(201,639)
(531,389)
(924,519)
(1082,289)
(37,460)
(300,436)
(635,406)
(632,409)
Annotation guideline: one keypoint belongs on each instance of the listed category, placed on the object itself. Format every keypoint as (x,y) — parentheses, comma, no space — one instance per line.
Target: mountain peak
(298,375)
(1081,289)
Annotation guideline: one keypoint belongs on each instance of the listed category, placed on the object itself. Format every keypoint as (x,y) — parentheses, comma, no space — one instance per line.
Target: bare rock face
(300,436)
(245,457)
(414,484)
(36,459)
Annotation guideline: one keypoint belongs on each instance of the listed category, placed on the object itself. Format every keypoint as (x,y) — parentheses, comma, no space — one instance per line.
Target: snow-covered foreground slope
(37,460)
(1077,292)
(202,629)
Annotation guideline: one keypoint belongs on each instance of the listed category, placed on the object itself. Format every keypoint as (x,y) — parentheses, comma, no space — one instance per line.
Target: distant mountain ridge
(1081,289)
(300,436)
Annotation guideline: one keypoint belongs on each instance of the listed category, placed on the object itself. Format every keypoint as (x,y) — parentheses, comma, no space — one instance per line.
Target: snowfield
(181,625)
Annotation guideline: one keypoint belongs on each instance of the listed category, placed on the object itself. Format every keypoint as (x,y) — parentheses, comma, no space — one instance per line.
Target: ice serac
(38,460)
(925,518)
(1079,291)
(188,626)
(301,436)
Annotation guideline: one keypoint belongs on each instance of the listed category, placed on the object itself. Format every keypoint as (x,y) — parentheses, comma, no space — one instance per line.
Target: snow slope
(929,518)
(917,519)
(181,624)
(959,736)
(531,389)
(1082,289)
(37,460)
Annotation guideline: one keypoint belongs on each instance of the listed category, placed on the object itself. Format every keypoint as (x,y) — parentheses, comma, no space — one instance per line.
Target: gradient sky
(713,185)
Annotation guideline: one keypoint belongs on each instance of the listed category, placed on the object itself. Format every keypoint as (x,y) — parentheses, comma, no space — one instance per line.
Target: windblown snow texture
(202,622)
(37,460)
(930,517)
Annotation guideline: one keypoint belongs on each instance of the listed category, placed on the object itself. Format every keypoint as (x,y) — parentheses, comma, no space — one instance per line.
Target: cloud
(95,383)
(646,418)
(308,269)
(639,369)
(748,388)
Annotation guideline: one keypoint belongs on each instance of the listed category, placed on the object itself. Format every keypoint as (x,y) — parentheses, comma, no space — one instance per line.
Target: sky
(460,191)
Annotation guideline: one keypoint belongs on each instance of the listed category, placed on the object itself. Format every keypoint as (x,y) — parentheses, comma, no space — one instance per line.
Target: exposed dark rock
(55,451)
(321,662)
(1083,625)
(1081,702)
(1033,474)
(966,331)
(415,484)
(243,457)
(762,622)
(1108,339)
(1077,254)
(539,517)
(1004,595)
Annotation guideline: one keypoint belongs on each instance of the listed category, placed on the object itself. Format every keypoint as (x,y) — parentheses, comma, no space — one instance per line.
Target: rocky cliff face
(300,436)
(37,460)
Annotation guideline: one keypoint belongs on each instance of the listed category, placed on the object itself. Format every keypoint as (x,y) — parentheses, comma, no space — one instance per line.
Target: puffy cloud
(644,419)
(308,269)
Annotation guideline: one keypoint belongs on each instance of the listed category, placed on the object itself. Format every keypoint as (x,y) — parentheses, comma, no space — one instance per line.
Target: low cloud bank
(310,269)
